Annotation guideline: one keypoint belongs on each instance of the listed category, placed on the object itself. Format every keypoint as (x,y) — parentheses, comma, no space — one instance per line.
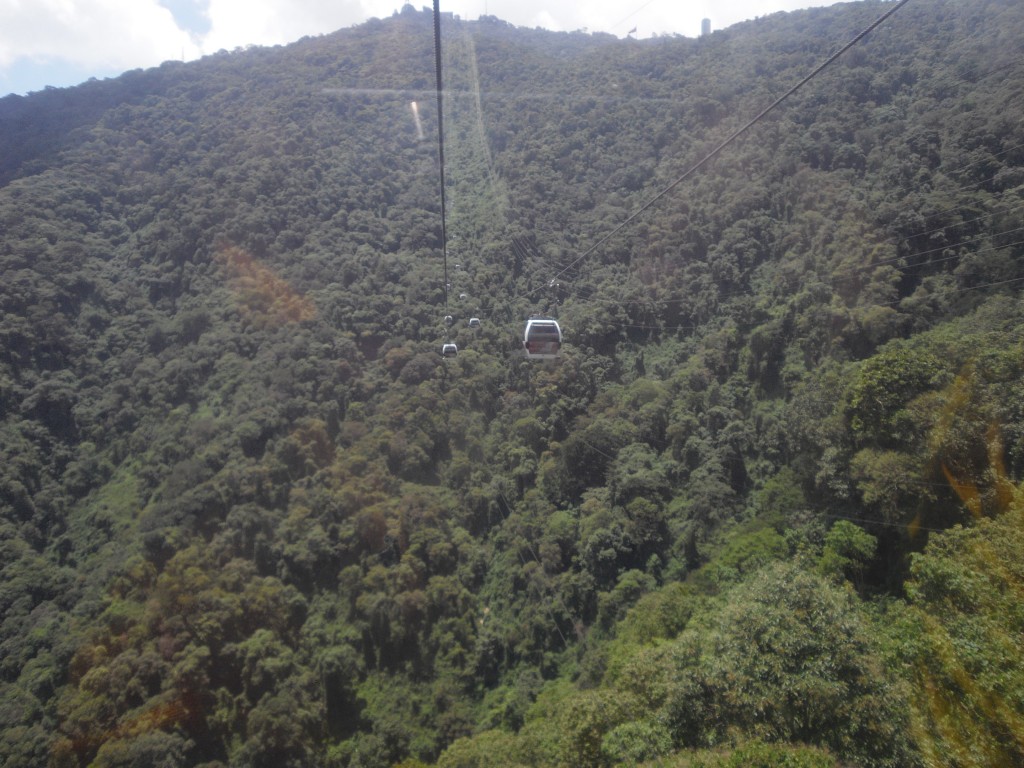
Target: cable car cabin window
(542,338)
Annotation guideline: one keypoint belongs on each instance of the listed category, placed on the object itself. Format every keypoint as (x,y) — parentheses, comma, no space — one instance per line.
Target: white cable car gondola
(542,338)
(474,322)
(449,350)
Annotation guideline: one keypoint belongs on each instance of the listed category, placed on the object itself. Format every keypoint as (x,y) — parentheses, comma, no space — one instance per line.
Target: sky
(66,42)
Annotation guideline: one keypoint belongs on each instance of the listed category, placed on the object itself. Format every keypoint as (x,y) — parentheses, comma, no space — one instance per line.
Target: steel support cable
(944,227)
(847,272)
(693,328)
(440,146)
(894,262)
(554,619)
(900,240)
(851,273)
(717,150)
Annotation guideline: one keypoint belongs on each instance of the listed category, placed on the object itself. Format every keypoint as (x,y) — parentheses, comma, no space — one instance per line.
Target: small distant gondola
(542,339)
(449,350)
(474,322)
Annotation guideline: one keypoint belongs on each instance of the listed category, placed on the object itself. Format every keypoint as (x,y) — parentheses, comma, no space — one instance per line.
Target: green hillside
(766,510)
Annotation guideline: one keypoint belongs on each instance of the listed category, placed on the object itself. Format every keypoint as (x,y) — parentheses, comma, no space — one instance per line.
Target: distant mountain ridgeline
(250,517)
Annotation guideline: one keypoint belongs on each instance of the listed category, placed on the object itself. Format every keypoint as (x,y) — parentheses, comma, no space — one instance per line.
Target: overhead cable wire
(631,14)
(733,137)
(850,270)
(973,163)
(554,619)
(956,225)
(888,524)
(840,272)
(665,328)
(894,262)
(909,261)
(440,143)
(950,291)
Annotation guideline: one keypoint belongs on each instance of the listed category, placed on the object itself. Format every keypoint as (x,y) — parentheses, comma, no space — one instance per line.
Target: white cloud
(83,38)
(237,23)
(95,34)
(545,20)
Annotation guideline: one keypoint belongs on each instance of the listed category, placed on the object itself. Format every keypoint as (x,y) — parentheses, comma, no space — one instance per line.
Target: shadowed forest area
(766,509)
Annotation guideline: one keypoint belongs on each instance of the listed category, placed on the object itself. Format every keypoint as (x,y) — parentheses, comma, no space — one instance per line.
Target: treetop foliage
(764,509)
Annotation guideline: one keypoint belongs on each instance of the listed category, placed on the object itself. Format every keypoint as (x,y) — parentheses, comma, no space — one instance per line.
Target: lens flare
(416,118)
(263,298)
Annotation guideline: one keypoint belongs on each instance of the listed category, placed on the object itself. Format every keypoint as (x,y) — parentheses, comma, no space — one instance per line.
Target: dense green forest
(766,509)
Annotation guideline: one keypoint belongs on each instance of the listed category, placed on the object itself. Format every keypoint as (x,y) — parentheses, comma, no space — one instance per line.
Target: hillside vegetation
(765,510)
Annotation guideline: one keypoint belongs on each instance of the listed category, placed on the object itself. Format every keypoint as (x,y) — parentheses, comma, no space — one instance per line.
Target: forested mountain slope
(765,508)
